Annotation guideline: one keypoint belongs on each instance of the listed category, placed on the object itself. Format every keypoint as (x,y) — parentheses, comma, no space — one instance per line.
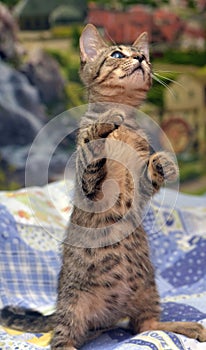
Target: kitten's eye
(117,54)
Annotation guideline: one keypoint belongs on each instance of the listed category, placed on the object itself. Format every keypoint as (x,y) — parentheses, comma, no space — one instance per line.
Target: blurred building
(184,119)
(163,26)
(121,26)
(39,14)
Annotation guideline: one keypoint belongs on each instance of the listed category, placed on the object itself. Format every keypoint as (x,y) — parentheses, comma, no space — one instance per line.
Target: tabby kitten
(106,272)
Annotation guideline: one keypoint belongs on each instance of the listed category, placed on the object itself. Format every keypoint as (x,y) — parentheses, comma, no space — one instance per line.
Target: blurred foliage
(7,172)
(192,169)
(76,32)
(191,4)
(10,3)
(201,73)
(76,94)
(197,192)
(184,57)
(61,32)
(69,63)
(125,3)
(59,55)
(70,32)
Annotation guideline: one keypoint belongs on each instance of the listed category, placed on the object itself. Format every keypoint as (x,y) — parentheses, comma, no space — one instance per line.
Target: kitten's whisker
(110,38)
(80,88)
(169,79)
(163,83)
(168,71)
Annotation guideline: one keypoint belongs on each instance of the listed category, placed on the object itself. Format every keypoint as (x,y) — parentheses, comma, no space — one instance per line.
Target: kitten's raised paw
(114,116)
(162,168)
(108,123)
(117,118)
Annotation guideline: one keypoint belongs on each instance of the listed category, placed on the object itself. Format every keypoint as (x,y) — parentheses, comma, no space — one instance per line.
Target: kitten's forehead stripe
(123,49)
(127,51)
(134,49)
(100,67)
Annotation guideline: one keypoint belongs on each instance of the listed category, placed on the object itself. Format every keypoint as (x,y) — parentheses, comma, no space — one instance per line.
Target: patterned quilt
(32,225)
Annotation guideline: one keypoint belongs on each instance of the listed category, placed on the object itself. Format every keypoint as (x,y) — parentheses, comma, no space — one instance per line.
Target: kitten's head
(116,73)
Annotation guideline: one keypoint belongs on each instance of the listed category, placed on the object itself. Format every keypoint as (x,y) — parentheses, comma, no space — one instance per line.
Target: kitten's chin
(140,80)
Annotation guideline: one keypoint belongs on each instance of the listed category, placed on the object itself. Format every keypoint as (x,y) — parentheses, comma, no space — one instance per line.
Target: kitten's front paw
(117,118)
(113,115)
(162,168)
(110,122)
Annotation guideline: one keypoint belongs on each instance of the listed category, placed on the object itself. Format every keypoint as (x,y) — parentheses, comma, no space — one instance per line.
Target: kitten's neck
(104,106)
(97,108)
(123,97)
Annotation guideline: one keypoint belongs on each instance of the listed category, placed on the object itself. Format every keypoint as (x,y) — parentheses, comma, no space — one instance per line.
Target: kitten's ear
(90,43)
(142,43)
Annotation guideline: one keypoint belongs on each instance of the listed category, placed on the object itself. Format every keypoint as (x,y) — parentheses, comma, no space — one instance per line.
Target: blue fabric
(177,237)
(28,278)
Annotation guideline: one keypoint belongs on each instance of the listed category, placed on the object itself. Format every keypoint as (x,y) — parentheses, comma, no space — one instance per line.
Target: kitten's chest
(121,268)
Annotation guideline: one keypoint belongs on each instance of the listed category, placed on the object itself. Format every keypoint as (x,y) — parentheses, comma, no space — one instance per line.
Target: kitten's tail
(26,320)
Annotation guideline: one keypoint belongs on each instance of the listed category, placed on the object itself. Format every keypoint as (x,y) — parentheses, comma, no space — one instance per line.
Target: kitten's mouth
(138,68)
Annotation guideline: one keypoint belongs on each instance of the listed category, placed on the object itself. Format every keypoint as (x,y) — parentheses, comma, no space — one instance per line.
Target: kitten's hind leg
(161,169)
(62,339)
(189,329)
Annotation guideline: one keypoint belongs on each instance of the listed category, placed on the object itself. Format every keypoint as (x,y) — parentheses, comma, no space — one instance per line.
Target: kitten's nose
(140,58)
